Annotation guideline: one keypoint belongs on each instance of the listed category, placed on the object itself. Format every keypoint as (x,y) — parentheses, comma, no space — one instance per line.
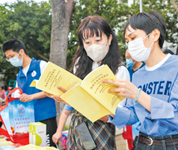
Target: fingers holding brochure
(124,88)
(57,97)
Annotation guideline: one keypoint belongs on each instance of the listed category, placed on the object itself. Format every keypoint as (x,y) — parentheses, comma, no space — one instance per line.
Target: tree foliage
(31,22)
(174,5)
(117,14)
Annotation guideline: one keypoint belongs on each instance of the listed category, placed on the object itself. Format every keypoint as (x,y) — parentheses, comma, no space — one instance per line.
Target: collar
(159,64)
(31,68)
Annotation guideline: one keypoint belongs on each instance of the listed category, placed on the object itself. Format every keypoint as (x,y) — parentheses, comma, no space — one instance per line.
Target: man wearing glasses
(30,69)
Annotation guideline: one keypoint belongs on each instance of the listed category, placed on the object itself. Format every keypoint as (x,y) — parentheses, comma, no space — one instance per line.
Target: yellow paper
(54,76)
(34,83)
(93,84)
(82,101)
(34,147)
(3,142)
(29,147)
(91,98)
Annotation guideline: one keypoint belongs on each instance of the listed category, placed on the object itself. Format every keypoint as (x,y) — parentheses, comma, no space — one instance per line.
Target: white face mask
(138,51)
(97,52)
(15,61)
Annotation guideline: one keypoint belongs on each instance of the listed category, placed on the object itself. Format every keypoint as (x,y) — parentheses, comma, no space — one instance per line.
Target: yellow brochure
(4,142)
(29,147)
(34,147)
(91,97)
(54,76)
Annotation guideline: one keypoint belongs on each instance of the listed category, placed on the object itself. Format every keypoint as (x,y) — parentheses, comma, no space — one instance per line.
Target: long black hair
(90,26)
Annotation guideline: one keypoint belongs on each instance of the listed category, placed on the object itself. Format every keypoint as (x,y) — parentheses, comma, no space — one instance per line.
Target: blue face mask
(15,61)
(129,62)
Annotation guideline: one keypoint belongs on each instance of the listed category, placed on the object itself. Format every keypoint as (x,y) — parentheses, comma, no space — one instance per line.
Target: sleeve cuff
(121,117)
(161,109)
(67,107)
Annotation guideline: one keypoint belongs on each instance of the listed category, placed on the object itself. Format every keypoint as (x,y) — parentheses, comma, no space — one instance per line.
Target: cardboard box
(37,134)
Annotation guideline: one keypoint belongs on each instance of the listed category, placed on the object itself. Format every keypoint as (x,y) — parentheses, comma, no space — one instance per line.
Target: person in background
(168,51)
(2,98)
(152,96)
(2,93)
(97,46)
(8,90)
(132,64)
(31,69)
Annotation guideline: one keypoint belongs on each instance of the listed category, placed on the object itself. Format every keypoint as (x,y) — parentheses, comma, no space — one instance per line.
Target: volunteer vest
(45,107)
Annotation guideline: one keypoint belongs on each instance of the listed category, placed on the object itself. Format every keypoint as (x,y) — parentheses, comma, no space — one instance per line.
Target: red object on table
(22,138)
(127,135)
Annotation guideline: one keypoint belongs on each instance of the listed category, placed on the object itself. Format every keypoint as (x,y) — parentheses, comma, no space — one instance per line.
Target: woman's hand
(56,137)
(128,90)
(57,97)
(104,119)
(124,88)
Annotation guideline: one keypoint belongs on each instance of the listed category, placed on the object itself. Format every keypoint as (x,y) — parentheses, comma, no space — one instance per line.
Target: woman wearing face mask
(97,46)
(152,95)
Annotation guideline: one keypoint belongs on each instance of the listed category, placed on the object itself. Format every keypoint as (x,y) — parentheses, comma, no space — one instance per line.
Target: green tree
(61,14)
(117,14)
(30,22)
(165,8)
(174,5)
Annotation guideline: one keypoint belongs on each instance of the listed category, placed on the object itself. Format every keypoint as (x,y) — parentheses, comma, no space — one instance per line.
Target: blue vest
(131,71)
(45,107)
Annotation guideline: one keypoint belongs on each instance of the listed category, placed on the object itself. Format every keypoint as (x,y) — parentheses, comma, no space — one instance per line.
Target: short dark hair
(168,51)
(13,44)
(148,22)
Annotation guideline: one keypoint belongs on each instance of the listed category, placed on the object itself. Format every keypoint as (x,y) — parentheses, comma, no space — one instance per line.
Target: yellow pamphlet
(90,97)
(4,142)
(34,147)
(54,76)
